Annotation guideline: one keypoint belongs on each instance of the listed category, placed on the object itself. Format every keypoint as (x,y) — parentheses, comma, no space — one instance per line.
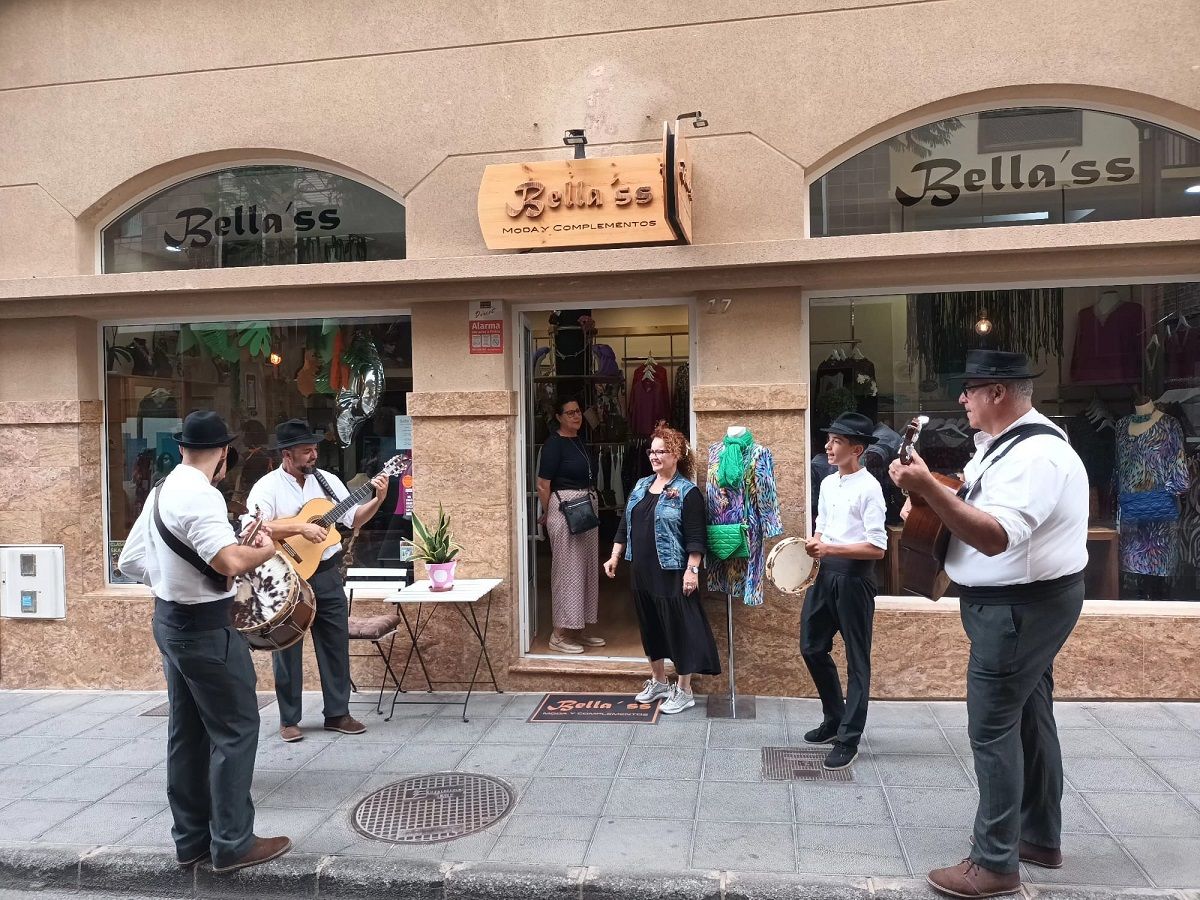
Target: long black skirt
(674,626)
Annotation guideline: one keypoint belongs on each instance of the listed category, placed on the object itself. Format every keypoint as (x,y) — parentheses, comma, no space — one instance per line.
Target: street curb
(155,873)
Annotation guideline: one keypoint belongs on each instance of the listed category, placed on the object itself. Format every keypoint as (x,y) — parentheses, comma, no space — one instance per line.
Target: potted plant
(437,549)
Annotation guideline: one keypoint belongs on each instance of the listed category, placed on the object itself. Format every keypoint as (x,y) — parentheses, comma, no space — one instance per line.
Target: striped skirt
(575,569)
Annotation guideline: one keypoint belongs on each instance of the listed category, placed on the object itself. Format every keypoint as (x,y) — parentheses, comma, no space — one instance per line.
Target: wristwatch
(695,570)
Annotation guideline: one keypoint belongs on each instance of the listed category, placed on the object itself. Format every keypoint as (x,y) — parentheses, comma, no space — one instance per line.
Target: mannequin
(735,430)
(1109,301)
(1106,349)
(1145,415)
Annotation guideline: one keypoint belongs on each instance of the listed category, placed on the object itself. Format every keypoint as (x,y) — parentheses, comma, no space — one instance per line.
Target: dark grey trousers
(1010,721)
(331,641)
(840,602)
(212,738)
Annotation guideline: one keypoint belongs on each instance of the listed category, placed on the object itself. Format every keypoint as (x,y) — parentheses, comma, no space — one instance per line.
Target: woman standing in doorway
(565,472)
(663,534)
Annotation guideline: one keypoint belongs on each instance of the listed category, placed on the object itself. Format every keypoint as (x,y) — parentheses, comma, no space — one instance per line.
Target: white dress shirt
(192,510)
(1039,494)
(280,496)
(850,510)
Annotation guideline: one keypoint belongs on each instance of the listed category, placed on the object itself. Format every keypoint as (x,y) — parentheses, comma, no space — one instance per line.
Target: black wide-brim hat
(293,433)
(204,430)
(853,425)
(996,365)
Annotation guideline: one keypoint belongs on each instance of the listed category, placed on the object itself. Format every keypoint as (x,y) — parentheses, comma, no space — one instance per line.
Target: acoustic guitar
(924,540)
(302,553)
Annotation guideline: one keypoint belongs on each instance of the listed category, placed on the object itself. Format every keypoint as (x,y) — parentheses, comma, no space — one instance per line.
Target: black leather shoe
(822,734)
(840,756)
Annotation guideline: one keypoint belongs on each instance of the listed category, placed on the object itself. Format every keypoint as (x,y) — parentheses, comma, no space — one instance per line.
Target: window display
(256,374)
(1120,374)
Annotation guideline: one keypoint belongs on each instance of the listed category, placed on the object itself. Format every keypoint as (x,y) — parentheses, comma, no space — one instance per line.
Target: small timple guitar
(302,553)
(924,540)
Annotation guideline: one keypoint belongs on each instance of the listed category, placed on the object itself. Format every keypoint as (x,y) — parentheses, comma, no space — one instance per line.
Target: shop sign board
(485,327)
(601,202)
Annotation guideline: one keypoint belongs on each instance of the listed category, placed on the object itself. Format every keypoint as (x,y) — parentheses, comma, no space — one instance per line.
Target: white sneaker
(652,690)
(677,702)
(564,645)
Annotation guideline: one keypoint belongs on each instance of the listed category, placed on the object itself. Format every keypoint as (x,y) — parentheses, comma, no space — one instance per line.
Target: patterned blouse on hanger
(1151,460)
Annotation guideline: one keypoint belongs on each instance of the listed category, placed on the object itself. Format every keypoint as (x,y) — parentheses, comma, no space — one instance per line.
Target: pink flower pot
(441,575)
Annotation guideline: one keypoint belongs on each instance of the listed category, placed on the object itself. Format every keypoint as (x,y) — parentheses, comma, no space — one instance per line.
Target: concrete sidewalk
(679,803)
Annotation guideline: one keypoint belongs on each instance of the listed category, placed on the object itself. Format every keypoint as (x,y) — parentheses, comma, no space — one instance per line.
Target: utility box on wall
(32,581)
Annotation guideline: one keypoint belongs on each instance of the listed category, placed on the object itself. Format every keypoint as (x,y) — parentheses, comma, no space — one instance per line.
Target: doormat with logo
(594,708)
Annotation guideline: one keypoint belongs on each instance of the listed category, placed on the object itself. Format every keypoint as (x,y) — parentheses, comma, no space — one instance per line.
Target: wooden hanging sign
(601,202)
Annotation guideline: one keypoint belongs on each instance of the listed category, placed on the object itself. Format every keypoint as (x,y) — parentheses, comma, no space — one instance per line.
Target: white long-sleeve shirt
(851,510)
(279,496)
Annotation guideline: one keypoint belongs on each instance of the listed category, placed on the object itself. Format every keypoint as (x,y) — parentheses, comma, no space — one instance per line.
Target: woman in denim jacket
(662,533)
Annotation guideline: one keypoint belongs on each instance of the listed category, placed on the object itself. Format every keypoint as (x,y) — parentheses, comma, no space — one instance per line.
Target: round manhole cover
(427,809)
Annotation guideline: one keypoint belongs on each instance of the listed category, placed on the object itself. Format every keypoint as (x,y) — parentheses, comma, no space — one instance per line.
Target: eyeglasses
(572,412)
(967,388)
(658,452)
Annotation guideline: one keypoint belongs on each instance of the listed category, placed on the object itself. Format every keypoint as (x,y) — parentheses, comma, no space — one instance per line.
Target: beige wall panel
(759,340)
(442,358)
(38,237)
(48,359)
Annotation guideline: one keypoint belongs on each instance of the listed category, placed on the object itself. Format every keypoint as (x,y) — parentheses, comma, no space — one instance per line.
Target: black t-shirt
(566,463)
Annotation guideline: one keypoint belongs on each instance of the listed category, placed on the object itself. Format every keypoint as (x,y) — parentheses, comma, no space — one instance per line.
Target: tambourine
(790,568)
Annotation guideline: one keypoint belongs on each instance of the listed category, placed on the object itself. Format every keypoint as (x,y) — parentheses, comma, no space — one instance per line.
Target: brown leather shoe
(193,860)
(291,733)
(345,724)
(969,879)
(262,850)
(1046,857)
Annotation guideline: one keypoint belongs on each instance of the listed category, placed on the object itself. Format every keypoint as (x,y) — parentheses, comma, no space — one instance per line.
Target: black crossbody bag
(579,513)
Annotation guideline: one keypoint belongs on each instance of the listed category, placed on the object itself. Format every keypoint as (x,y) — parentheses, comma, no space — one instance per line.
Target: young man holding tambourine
(849,537)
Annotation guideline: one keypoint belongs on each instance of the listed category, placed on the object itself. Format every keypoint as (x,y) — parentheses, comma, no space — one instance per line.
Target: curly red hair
(678,446)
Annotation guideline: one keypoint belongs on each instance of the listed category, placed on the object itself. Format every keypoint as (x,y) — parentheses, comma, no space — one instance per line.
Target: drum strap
(183,551)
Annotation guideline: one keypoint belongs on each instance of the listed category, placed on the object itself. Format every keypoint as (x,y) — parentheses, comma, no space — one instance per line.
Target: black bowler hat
(203,430)
(853,425)
(293,433)
(997,365)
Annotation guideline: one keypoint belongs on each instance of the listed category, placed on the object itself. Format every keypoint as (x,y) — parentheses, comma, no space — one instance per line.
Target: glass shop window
(1121,376)
(1023,166)
(348,377)
(255,216)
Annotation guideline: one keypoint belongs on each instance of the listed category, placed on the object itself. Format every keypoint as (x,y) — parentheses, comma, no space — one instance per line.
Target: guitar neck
(355,497)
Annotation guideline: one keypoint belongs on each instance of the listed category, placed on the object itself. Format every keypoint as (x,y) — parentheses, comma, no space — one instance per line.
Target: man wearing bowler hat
(182,547)
(1018,550)
(280,494)
(848,538)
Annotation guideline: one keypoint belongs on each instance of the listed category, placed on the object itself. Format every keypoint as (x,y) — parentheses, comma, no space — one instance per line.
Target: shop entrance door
(529,466)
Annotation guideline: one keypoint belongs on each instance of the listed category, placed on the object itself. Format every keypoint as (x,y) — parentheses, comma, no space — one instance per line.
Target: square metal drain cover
(163,709)
(799,764)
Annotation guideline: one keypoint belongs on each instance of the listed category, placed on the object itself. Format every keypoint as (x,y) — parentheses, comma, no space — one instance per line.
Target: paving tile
(591,734)
(316,790)
(908,741)
(295,823)
(1112,775)
(25,820)
(839,804)
(512,731)
(105,823)
(732,802)
(84,784)
(20,721)
(473,847)
(645,798)
(538,851)
(149,787)
(65,725)
(12,700)
(951,713)
(1186,713)
(680,763)
(744,846)
(1160,742)
(154,832)
(336,837)
(1171,862)
(141,753)
(114,703)
(416,851)
(486,704)
(1181,774)
(1092,859)
(567,828)
(19,749)
(380,731)
(277,754)
(1074,715)
(932,848)
(899,714)
(848,850)
(641,844)
(802,711)
(933,807)
(766,709)
(746,735)
(960,742)
(60,702)
(350,756)
(922,771)
(1090,742)
(1114,714)
(19,781)
(576,761)
(733,765)
(510,759)
(670,733)
(420,759)
(1077,816)
(521,706)
(122,727)
(1145,814)
(564,796)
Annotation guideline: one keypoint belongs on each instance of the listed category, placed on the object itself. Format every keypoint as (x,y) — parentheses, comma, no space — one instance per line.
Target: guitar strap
(1008,441)
(182,550)
(325,486)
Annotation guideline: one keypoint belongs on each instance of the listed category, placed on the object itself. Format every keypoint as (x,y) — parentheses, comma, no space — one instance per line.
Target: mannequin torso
(1143,409)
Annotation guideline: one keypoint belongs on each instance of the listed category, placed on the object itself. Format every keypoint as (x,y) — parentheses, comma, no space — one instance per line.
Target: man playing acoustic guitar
(279,495)
(1017,550)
